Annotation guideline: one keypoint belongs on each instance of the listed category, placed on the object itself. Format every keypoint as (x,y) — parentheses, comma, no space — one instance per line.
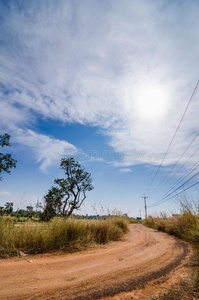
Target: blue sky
(106,82)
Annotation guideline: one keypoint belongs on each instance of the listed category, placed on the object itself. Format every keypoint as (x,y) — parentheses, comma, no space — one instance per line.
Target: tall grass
(66,235)
(186,227)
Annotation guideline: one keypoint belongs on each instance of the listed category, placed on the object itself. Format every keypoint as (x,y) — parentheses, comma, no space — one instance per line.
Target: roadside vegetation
(184,226)
(53,227)
(57,235)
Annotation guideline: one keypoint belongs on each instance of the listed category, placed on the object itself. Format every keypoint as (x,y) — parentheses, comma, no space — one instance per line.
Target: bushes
(70,235)
(186,227)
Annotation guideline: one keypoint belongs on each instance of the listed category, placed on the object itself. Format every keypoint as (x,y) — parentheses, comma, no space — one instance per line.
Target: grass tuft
(58,235)
(186,227)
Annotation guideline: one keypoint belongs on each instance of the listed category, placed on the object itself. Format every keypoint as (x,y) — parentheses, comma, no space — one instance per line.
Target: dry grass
(66,235)
(186,227)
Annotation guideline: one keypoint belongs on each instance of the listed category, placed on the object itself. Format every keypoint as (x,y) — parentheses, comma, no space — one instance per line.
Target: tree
(20,213)
(8,207)
(6,161)
(2,210)
(29,208)
(69,193)
(52,203)
(30,213)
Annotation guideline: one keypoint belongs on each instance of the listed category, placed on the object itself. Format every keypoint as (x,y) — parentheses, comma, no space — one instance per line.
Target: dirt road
(143,255)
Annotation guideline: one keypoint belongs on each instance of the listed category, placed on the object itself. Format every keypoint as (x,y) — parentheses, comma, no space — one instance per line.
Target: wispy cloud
(46,150)
(125,170)
(5,193)
(89,62)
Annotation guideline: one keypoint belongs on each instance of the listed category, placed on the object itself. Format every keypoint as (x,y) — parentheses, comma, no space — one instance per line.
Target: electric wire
(180,179)
(169,194)
(174,195)
(183,184)
(173,137)
(178,171)
(155,191)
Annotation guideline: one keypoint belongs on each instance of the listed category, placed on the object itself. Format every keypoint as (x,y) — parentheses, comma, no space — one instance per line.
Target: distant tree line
(7,210)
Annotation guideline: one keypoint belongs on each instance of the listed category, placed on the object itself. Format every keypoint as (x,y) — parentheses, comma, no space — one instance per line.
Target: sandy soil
(132,268)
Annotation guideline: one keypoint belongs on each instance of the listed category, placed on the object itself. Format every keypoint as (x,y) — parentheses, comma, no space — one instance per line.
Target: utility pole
(145,205)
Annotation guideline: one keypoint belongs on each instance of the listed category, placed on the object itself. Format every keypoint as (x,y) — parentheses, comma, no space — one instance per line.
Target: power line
(182,178)
(182,165)
(181,185)
(173,136)
(174,195)
(169,194)
(175,164)
(178,171)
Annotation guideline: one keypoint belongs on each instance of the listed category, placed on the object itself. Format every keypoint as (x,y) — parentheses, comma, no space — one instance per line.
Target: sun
(151,102)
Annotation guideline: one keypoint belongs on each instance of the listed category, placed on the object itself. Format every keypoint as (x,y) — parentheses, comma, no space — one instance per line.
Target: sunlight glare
(151,102)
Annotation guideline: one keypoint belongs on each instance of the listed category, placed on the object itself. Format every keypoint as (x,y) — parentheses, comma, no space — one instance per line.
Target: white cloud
(47,150)
(125,170)
(11,115)
(5,193)
(89,62)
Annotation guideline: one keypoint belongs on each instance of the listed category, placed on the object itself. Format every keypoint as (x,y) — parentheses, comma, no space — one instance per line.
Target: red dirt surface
(139,263)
